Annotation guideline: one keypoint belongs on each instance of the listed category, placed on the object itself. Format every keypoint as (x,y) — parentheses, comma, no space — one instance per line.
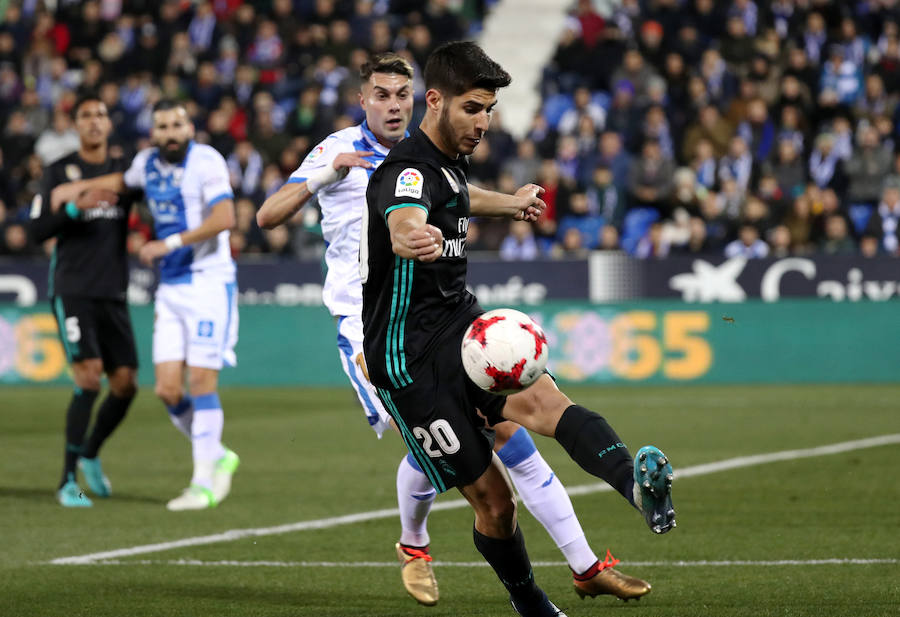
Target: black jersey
(410,306)
(90,256)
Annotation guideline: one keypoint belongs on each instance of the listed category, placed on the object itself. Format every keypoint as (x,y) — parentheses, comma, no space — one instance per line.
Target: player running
(337,171)
(187,187)
(88,284)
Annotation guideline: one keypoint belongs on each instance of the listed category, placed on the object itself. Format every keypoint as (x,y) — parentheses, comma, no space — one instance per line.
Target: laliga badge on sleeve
(409,183)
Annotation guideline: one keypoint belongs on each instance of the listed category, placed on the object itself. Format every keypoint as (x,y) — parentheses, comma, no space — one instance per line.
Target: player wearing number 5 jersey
(188,190)
(88,281)
(337,171)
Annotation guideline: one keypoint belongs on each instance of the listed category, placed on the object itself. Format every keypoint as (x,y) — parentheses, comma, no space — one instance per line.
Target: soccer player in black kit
(87,288)
(416,309)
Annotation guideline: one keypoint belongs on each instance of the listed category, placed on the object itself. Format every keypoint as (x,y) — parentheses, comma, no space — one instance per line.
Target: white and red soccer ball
(504,351)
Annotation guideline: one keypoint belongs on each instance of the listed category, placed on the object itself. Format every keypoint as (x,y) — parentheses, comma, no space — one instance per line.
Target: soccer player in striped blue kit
(188,189)
(337,172)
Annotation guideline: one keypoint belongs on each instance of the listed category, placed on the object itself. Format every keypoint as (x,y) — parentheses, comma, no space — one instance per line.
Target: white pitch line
(484,564)
(348,519)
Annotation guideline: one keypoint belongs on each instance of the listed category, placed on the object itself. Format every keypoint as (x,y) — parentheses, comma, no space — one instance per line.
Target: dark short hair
(82,99)
(388,63)
(167,104)
(457,67)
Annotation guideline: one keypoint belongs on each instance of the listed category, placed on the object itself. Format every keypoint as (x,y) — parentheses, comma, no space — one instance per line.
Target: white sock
(546,498)
(206,437)
(415,494)
(182,415)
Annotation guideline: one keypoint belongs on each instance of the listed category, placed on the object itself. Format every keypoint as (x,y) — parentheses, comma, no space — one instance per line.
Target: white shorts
(197,323)
(350,347)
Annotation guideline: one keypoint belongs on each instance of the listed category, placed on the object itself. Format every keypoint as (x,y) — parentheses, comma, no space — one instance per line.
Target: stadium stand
(776,115)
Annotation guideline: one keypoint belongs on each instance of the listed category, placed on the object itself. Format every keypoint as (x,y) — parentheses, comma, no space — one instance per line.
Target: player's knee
(88,374)
(202,381)
(170,394)
(500,511)
(123,383)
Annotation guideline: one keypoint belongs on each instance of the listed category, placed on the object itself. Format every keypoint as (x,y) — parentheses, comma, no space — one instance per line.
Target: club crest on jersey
(449,176)
(315,153)
(409,183)
(73,172)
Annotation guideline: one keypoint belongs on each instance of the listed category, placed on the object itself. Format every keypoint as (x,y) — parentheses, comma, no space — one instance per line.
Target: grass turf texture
(307,454)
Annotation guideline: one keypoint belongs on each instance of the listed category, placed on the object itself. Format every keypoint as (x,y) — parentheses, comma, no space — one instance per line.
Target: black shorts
(437,417)
(95,328)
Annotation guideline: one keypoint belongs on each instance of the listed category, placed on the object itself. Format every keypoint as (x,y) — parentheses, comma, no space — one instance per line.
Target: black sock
(509,560)
(593,444)
(111,413)
(77,418)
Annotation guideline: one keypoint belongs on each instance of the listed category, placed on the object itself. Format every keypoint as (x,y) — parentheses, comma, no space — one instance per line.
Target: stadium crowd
(749,128)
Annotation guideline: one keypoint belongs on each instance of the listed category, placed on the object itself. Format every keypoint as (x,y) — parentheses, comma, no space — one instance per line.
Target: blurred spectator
(758,130)
(867,167)
(837,240)
(884,221)
(788,168)
(799,224)
(697,242)
(583,106)
(703,163)
(825,167)
(840,77)
(653,244)
(579,217)
(525,165)
(604,198)
(780,241)
(520,244)
(748,244)
(57,141)
(650,178)
(245,166)
(709,126)
(609,239)
(737,164)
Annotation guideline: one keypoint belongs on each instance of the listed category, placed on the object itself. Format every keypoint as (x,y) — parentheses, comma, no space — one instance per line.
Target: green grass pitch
(307,454)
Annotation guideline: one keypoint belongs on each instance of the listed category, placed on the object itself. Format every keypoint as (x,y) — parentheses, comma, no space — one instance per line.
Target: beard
(176,155)
(445,130)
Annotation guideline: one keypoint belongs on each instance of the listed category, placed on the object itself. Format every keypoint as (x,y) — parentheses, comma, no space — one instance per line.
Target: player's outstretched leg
(546,498)
(415,494)
(590,441)
(653,477)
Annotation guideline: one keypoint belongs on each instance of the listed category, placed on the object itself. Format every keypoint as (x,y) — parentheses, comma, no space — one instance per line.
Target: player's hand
(345,160)
(152,251)
(426,243)
(96,198)
(64,193)
(530,204)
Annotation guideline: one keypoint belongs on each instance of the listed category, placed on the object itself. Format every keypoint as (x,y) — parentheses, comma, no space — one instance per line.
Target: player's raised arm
(287,201)
(412,237)
(71,191)
(525,204)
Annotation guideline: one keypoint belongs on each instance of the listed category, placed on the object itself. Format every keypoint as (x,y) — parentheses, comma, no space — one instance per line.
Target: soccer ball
(504,351)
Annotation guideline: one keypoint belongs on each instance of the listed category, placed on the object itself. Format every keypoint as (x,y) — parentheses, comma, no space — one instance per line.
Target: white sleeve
(318,158)
(216,184)
(136,175)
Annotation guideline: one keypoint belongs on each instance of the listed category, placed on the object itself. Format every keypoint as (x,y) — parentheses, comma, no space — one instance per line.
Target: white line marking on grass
(349,519)
(482,564)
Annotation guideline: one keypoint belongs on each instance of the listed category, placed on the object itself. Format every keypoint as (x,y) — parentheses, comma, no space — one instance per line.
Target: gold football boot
(417,575)
(602,579)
